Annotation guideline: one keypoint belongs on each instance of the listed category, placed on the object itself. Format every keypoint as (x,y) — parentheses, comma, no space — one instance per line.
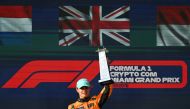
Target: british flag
(94,25)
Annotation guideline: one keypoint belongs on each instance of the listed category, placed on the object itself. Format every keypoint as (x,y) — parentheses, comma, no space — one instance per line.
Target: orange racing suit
(94,102)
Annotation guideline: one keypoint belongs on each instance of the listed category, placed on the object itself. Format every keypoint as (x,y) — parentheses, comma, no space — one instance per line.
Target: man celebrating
(85,101)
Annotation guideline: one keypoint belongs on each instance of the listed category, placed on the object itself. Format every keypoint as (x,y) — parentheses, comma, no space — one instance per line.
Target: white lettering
(147,80)
(149,74)
(120,80)
(170,80)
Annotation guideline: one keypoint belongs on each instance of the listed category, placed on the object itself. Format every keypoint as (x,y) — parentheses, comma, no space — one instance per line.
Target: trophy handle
(106,82)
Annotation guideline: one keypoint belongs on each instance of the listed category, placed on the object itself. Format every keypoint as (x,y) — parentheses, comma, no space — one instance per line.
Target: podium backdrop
(47,45)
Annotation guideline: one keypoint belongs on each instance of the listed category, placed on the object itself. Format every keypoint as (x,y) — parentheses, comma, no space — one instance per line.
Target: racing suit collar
(84,99)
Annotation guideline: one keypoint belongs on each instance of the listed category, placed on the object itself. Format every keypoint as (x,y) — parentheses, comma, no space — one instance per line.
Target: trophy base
(106,82)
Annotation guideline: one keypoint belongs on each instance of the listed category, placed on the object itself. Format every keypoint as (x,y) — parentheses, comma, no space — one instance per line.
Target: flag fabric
(15,19)
(173,27)
(15,25)
(94,25)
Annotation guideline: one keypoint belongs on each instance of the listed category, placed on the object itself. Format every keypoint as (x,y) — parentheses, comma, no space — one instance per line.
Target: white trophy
(103,65)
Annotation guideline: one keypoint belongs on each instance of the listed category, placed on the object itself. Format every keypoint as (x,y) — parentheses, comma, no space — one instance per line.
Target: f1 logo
(36,72)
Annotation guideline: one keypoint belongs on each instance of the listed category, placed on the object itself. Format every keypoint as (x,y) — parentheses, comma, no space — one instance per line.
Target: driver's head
(83,88)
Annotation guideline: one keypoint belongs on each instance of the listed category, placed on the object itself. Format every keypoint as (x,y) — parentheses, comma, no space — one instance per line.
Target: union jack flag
(94,25)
